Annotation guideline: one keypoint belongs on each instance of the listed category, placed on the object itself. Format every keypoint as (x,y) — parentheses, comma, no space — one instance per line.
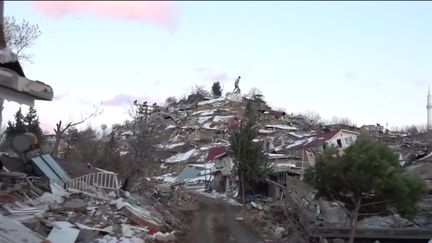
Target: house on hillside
(283,165)
(373,128)
(309,147)
(268,114)
(223,174)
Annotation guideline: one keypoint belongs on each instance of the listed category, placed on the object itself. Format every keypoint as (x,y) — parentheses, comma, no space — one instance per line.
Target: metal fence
(103,180)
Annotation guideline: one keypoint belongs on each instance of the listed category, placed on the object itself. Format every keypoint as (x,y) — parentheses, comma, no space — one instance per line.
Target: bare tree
(61,128)
(200,90)
(313,117)
(20,35)
(141,144)
(170,100)
(255,93)
(414,130)
(338,120)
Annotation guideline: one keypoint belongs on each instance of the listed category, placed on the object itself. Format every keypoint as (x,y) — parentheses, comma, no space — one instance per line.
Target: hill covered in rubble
(187,130)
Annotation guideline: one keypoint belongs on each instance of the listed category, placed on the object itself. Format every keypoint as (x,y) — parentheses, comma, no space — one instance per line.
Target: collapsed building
(42,201)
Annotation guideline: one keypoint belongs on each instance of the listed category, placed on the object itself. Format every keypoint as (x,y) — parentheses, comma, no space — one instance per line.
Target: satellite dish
(24,142)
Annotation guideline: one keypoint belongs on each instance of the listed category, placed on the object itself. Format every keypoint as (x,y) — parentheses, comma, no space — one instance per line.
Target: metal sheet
(46,170)
(189,172)
(56,167)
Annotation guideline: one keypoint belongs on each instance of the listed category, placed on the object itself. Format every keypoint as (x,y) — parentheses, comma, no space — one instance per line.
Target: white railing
(104,180)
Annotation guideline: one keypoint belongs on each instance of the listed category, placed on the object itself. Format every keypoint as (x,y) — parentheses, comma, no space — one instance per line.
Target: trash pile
(34,210)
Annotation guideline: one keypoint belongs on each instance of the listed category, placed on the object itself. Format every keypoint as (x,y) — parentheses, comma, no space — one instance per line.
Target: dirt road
(216,222)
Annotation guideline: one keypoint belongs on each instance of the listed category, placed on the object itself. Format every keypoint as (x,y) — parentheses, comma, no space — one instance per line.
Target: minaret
(429,110)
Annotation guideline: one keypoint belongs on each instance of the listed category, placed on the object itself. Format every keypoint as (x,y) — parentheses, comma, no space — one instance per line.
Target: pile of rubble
(94,215)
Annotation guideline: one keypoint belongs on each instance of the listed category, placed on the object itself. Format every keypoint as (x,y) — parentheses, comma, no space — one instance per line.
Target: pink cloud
(161,13)
(47,126)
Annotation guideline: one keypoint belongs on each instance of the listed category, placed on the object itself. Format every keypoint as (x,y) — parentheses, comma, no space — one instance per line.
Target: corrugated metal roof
(50,168)
(56,167)
(189,172)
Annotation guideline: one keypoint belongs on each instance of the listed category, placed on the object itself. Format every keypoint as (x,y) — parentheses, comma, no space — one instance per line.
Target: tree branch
(368,214)
(59,131)
(339,203)
(374,203)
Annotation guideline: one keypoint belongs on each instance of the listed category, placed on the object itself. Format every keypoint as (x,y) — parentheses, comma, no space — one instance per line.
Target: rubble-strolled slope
(191,130)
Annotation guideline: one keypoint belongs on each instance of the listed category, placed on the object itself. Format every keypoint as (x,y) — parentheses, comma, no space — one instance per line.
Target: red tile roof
(321,138)
(216,152)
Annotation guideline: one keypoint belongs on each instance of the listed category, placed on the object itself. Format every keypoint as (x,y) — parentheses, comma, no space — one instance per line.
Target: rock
(76,205)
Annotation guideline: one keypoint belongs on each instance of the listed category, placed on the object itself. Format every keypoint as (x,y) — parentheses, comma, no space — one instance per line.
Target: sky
(368,61)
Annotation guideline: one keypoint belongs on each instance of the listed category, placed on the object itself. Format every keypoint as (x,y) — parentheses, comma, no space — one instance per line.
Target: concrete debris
(12,231)
(165,237)
(181,157)
(77,216)
(76,205)
(63,232)
(255,205)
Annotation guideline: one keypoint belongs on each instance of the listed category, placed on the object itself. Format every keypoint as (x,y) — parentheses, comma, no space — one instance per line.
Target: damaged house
(224,176)
(307,148)
(283,165)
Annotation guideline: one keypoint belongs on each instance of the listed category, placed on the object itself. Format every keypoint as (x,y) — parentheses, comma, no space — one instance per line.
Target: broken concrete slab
(234,97)
(12,231)
(75,204)
(142,219)
(63,232)
(85,227)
